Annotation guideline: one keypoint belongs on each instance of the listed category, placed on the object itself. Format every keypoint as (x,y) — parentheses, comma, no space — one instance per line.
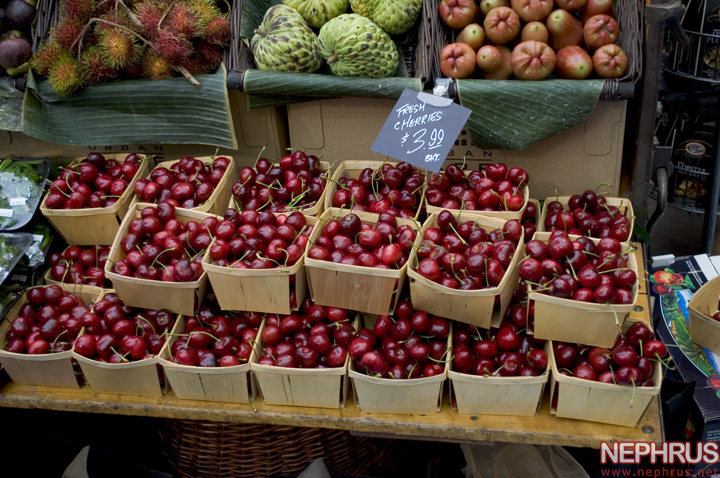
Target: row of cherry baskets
(308,282)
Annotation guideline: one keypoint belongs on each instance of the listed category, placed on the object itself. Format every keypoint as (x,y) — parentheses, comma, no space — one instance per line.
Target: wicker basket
(199,449)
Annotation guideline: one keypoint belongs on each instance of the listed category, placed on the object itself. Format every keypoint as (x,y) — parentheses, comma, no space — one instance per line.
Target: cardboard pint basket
(417,396)
(301,387)
(507,215)
(600,402)
(474,307)
(96,225)
(704,330)
(262,290)
(216,384)
(568,320)
(364,289)
(352,170)
(49,370)
(623,205)
(48,279)
(177,297)
(222,192)
(497,395)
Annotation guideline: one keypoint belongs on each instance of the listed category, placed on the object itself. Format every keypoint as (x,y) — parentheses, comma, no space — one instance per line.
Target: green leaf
(168,111)
(11,101)
(516,114)
(641,233)
(253,12)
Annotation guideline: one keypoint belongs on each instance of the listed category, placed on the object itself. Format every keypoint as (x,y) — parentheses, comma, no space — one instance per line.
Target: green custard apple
(284,42)
(393,16)
(318,12)
(355,46)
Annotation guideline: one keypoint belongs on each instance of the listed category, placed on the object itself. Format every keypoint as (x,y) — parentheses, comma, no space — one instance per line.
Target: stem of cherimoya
(332,59)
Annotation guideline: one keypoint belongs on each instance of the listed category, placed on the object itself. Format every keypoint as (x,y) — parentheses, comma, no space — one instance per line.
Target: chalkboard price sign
(421,130)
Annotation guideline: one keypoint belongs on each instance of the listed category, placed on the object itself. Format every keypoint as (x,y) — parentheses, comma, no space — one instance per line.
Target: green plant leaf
(11,100)
(514,114)
(168,111)
(641,233)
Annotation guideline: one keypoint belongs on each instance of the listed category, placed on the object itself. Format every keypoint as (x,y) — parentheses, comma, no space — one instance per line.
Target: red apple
(457,13)
(600,30)
(457,60)
(535,31)
(610,61)
(502,25)
(573,63)
(532,60)
(532,10)
(473,35)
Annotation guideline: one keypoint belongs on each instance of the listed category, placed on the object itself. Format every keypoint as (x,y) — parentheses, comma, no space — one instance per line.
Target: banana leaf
(171,111)
(11,101)
(516,114)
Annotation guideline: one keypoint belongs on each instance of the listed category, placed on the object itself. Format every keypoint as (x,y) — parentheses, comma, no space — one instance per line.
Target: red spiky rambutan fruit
(45,57)
(209,56)
(204,11)
(117,17)
(194,67)
(94,68)
(65,76)
(155,67)
(149,13)
(172,46)
(118,47)
(182,19)
(77,10)
(133,71)
(217,31)
(66,34)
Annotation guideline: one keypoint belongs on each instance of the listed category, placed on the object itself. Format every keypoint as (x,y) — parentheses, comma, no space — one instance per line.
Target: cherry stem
(120,355)
(158,256)
(202,332)
(56,339)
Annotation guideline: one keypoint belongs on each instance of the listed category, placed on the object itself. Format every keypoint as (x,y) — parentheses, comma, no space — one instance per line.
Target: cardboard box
(253,128)
(572,161)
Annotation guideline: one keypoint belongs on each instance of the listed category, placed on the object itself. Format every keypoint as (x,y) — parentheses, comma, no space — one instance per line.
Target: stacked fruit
(215,338)
(631,361)
(545,37)
(507,352)
(395,189)
(189,182)
(80,265)
(579,269)
(116,333)
(412,344)
(495,189)
(465,256)
(317,337)
(157,246)
(296,182)
(93,182)
(16,20)
(588,214)
(95,42)
(529,221)
(350,241)
(48,322)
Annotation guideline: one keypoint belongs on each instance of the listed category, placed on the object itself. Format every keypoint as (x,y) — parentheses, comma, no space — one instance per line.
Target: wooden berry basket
(321,388)
(177,297)
(132,378)
(96,225)
(474,307)
(507,215)
(600,402)
(421,396)
(319,206)
(47,277)
(704,330)
(623,205)
(497,395)
(49,370)
(264,290)
(569,320)
(352,169)
(216,384)
(365,289)
(221,194)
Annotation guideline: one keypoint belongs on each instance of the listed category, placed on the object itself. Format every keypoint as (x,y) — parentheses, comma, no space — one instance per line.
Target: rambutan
(154,67)
(117,17)
(45,56)
(217,31)
(204,10)
(182,19)
(132,72)
(65,76)
(77,10)
(66,34)
(94,68)
(118,47)
(149,13)
(194,67)
(172,46)
(209,56)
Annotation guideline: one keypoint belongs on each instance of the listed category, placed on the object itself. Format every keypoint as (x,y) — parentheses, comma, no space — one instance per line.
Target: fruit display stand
(704,330)
(94,226)
(624,206)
